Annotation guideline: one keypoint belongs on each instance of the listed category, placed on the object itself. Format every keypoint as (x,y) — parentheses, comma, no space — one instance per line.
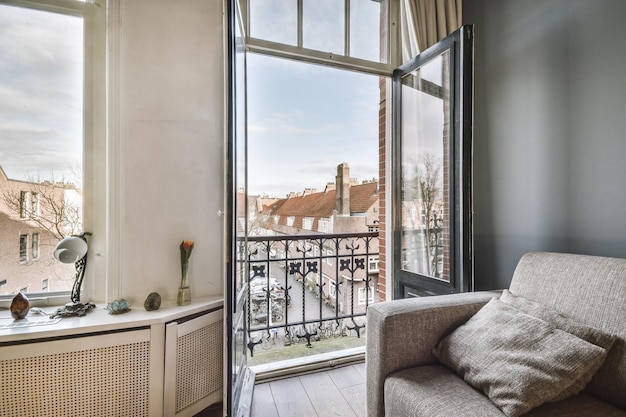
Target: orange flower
(186,246)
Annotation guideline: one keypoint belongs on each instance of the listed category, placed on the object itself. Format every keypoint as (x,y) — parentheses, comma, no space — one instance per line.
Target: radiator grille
(198,374)
(108,381)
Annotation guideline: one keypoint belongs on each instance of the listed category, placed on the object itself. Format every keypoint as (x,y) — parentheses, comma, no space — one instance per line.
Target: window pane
(303,121)
(323,25)
(41,144)
(274,20)
(425,213)
(366,30)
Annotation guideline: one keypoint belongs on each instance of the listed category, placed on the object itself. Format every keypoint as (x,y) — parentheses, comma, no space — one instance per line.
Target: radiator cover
(105,375)
(193,364)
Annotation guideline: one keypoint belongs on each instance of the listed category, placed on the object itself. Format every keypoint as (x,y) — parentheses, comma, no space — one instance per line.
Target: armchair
(405,379)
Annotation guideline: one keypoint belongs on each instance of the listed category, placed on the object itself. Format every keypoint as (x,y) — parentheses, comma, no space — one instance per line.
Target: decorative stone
(118,306)
(153,301)
(20,306)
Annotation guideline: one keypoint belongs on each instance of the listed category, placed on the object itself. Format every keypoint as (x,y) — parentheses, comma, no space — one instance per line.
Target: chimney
(342,185)
(330,186)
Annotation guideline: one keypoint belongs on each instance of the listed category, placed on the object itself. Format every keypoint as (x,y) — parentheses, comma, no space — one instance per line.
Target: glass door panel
(240,379)
(425,215)
(432,98)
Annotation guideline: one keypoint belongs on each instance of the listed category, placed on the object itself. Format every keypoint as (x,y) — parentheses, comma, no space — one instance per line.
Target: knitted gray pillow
(583,331)
(517,360)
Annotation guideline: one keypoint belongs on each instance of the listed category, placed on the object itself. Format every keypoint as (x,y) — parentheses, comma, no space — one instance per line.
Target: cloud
(41,88)
(294,123)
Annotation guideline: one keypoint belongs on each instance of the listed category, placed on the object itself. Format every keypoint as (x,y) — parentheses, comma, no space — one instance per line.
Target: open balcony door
(239,379)
(432,135)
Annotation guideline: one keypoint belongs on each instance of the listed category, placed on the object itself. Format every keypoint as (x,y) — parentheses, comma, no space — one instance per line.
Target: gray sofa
(405,379)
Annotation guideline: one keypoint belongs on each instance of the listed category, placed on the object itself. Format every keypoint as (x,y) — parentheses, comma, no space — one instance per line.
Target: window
(433,131)
(23,204)
(329,256)
(35,246)
(370,295)
(47,74)
(290,220)
(346,33)
(307,223)
(322,226)
(332,289)
(372,264)
(23,248)
(44,285)
(35,205)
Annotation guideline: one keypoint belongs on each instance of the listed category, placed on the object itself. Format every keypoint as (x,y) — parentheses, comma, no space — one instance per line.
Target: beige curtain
(428,21)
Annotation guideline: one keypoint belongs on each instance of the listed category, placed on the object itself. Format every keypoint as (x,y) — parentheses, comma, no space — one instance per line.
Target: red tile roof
(362,197)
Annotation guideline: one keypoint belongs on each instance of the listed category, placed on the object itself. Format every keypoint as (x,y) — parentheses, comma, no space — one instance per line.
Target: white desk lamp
(73,249)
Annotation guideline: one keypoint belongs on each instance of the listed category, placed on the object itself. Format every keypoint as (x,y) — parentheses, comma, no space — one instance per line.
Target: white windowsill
(99,319)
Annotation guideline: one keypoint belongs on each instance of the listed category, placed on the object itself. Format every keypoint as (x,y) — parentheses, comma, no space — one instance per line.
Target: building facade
(34,216)
(343,271)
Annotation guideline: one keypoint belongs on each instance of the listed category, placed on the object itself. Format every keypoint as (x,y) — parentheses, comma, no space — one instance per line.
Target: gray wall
(550,130)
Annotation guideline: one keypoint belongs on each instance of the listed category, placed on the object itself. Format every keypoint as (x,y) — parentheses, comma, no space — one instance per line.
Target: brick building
(344,206)
(27,243)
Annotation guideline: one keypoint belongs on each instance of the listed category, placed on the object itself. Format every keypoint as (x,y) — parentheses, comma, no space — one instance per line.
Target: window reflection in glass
(425,212)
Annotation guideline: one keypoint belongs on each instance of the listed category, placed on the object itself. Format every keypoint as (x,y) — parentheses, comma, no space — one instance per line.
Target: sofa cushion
(591,290)
(581,405)
(583,331)
(518,360)
(434,391)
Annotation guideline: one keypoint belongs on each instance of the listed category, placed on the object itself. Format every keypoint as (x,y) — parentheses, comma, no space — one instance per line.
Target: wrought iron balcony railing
(304,288)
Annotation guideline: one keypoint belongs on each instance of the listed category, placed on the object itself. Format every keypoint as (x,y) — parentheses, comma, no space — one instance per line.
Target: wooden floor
(339,392)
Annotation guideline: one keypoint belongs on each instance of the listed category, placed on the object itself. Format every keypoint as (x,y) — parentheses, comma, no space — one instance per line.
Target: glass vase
(184,291)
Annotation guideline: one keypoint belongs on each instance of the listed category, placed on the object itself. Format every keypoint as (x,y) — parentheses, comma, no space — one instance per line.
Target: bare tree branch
(45,204)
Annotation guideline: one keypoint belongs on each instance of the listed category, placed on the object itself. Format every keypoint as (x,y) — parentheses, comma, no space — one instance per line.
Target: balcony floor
(338,392)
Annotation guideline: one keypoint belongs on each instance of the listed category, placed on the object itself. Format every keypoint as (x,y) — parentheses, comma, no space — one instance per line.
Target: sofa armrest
(402,334)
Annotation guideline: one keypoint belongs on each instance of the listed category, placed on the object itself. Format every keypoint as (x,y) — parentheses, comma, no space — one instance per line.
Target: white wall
(550,130)
(170,146)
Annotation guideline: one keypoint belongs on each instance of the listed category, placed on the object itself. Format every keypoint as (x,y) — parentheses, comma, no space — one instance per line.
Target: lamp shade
(70,249)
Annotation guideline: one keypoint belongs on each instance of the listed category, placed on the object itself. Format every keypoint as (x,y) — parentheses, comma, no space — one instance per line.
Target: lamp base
(73,309)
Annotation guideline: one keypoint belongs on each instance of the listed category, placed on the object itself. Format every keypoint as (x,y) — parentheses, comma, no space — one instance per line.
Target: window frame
(95,167)
(407,283)
(346,62)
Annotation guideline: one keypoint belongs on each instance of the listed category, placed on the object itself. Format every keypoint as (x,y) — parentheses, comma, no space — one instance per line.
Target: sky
(41,94)
(305,119)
